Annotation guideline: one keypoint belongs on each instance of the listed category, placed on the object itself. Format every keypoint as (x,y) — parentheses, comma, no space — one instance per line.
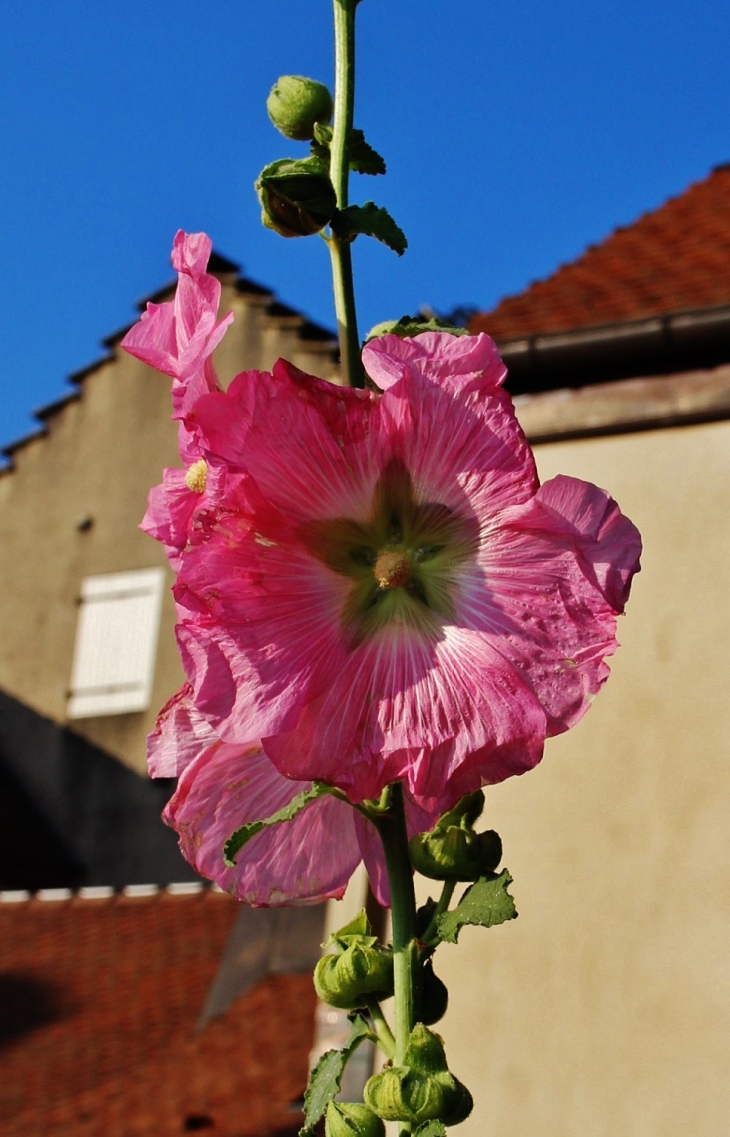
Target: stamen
(392,569)
(196,476)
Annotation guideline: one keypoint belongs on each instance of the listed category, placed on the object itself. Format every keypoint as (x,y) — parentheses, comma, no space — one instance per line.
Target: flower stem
(340,248)
(384,1034)
(406,964)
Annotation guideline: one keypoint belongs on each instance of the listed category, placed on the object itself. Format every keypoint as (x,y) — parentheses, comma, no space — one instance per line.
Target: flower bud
(359,967)
(296,103)
(297,196)
(350,1119)
(346,980)
(422,1089)
(453,850)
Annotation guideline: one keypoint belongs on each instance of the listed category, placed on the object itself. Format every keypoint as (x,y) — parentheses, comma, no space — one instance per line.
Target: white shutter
(116,643)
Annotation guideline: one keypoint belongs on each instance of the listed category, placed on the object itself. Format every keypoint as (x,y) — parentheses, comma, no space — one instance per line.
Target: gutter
(660,345)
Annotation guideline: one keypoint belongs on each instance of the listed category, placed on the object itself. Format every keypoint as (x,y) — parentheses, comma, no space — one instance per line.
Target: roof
(101,996)
(674,259)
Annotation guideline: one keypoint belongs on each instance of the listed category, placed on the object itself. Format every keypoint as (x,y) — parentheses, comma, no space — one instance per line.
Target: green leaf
(484,904)
(373,221)
(431,1129)
(242,836)
(363,158)
(325,1079)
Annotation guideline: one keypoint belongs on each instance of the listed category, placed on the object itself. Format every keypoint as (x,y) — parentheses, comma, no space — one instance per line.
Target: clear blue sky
(515,134)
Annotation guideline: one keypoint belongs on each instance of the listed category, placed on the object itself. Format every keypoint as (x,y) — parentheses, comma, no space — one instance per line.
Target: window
(116,643)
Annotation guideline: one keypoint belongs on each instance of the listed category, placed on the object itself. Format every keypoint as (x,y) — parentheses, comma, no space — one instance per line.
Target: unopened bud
(351,1119)
(297,196)
(453,850)
(422,1089)
(295,103)
(347,980)
(358,969)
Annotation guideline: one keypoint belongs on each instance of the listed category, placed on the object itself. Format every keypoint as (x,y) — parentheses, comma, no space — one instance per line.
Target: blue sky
(515,134)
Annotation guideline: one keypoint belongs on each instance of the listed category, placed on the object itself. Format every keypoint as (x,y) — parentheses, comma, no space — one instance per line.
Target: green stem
(340,250)
(444,900)
(406,965)
(386,1042)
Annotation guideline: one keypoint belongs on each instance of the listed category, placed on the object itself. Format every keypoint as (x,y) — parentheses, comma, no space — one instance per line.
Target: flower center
(196,476)
(392,568)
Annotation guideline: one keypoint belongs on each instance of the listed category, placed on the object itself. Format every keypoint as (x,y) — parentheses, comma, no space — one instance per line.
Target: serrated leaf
(363,158)
(326,1077)
(431,1129)
(484,904)
(242,836)
(372,221)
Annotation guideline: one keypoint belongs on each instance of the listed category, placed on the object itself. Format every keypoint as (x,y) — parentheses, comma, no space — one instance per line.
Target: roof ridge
(306,331)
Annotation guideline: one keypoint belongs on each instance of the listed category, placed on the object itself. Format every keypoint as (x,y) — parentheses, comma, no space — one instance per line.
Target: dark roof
(71,814)
(101,999)
(674,259)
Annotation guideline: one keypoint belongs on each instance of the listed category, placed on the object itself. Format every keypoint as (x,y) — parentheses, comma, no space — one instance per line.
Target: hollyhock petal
(293,862)
(468,452)
(532,597)
(464,364)
(179,736)
(170,510)
(334,450)
(397,700)
(607,539)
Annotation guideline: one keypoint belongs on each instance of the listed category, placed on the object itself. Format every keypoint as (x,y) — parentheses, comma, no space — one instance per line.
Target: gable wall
(99,459)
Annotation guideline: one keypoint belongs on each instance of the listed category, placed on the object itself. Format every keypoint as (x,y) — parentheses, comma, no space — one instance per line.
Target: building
(605,1008)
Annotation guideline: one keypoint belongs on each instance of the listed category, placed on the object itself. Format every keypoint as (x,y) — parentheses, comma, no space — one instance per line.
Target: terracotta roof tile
(98,1035)
(674,259)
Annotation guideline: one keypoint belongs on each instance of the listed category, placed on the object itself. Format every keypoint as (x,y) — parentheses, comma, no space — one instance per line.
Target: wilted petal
(176,338)
(223,787)
(607,539)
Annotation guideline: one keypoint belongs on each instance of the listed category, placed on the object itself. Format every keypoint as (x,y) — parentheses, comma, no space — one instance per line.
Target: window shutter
(116,643)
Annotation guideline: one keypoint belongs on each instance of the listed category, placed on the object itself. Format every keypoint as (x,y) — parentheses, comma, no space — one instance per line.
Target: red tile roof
(100,1000)
(676,258)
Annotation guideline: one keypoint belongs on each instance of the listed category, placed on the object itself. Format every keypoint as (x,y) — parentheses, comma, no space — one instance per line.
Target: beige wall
(604,1010)
(100,457)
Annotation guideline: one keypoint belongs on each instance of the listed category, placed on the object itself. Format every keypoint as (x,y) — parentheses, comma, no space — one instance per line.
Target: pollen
(196,476)
(392,569)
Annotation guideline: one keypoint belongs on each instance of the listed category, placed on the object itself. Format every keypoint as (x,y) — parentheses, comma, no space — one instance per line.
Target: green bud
(434,996)
(359,968)
(422,1089)
(453,850)
(347,980)
(297,196)
(413,326)
(296,103)
(350,1119)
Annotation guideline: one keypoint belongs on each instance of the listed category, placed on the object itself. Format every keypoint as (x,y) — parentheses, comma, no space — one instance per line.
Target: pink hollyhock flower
(378,588)
(223,786)
(178,338)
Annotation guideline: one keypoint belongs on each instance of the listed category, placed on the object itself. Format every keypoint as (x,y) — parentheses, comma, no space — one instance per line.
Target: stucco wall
(604,1010)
